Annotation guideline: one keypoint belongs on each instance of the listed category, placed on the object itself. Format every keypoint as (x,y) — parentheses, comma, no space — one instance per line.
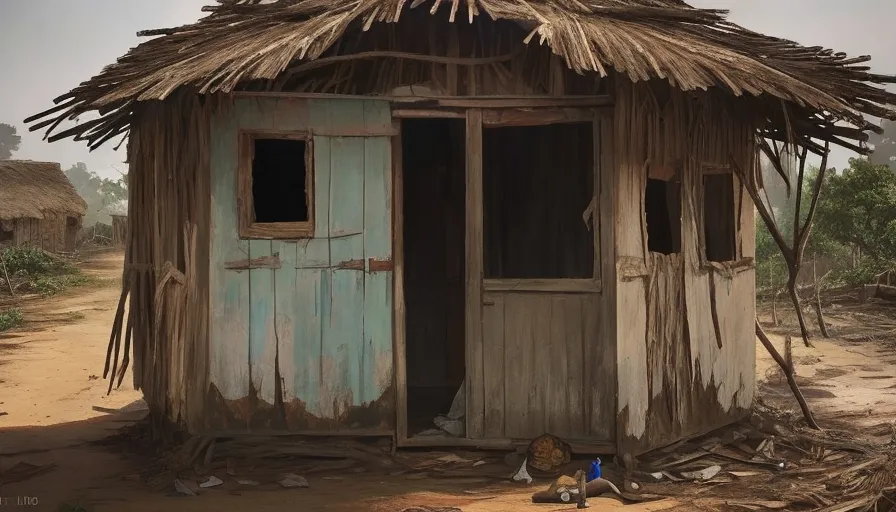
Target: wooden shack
(344,213)
(39,207)
(119,214)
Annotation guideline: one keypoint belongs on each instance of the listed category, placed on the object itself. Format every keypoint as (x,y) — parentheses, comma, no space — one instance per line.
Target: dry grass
(804,90)
(28,189)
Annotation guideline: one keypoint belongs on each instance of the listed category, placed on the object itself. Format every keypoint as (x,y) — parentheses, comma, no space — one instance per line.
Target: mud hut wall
(301,326)
(163,312)
(684,322)
(482,58)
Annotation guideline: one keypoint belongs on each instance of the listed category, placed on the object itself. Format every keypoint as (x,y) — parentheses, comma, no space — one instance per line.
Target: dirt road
(49,383)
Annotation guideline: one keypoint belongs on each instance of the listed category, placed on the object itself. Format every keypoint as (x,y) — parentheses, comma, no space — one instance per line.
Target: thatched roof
(245,40)
(29,189)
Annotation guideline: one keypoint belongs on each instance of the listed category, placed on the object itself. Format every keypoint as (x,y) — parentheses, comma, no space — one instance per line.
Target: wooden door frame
(476,119)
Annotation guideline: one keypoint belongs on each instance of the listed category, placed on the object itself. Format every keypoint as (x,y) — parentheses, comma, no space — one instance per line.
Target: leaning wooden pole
(787,367)
(6,275)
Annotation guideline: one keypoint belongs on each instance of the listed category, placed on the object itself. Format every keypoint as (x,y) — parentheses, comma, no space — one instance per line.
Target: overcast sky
(48,47)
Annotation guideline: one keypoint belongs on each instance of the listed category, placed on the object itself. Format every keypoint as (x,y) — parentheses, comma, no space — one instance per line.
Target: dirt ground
(50,382)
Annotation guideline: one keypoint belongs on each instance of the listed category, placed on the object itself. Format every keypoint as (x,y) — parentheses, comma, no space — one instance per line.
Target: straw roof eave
(693,49)
(31,189)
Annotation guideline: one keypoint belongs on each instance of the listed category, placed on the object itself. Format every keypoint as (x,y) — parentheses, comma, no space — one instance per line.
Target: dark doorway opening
(433,164)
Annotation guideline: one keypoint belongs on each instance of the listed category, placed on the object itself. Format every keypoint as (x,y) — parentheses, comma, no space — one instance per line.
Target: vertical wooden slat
(286,315)
(229,295)
(474,250)
(262,340)
(376,357)
(537,308)
(493,354)
(596,214)
(565,332)
(399,324)
(517,372)
(343,332)
(599,338)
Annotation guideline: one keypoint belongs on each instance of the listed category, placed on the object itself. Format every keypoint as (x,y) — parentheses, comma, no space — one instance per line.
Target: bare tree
(792,252)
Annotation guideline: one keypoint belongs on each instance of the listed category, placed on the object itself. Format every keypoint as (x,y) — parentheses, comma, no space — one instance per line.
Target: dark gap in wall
(662,200)
(278,180)
(718,217)
(537,182)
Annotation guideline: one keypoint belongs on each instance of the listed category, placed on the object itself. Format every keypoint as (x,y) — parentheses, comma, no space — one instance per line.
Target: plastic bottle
(594,470)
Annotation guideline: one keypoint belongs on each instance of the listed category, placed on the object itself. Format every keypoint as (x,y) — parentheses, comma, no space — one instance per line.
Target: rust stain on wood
(272,262)
(252,413)
(351,265)
(376,265)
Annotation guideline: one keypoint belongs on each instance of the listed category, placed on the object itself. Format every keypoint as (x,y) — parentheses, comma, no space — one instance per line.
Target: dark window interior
(278,180)
(718,217)
(537,182)
(662,209)
(5,236)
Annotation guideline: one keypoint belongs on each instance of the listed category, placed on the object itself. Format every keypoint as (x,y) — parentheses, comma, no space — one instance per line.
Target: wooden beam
(543,285)
(475,389)
(495,118)
(399,325)
(424,102)
(402,113)
(271,262)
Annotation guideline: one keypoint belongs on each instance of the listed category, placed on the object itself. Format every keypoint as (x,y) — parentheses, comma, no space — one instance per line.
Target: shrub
(51,285)
(10,318)
(27,261)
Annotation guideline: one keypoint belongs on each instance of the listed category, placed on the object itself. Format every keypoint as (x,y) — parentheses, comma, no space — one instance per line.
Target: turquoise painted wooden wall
(324,331)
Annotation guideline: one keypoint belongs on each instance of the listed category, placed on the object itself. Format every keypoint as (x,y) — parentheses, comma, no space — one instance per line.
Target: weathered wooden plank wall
(48,233)
(665,330)
(307,346)
(536,364)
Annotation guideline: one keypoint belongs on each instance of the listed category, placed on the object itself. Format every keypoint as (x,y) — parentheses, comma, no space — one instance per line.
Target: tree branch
(787,368)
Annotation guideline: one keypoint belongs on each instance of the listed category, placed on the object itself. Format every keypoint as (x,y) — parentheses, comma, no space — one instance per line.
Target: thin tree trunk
(6,275)
(818,313)
(787,367)
(775,310)
(795,298)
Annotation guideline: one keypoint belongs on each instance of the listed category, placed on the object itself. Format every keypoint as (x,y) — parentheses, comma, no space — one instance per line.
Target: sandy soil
(49,384)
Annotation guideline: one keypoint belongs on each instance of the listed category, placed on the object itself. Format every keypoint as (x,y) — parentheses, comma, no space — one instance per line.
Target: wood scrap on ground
(788,466)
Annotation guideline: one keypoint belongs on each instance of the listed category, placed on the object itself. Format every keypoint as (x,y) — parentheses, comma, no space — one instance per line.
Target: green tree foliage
(9,141)
(854,228)
(858,209)
(98,193)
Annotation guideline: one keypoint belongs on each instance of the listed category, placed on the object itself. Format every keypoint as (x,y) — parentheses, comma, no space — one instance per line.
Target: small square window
(276,193)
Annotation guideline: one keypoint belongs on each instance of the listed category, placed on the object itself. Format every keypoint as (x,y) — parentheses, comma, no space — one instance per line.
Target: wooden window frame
(248,227)
(600,119)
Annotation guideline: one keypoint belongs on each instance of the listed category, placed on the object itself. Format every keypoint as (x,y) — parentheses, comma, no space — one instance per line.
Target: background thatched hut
(39,207)
(343,212)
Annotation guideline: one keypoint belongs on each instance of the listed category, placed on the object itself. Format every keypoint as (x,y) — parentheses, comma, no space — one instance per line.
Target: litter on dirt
(291,481)
(212,481)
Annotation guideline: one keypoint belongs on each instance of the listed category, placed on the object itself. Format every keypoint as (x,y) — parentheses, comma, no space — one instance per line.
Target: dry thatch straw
(241,41)
(30,189)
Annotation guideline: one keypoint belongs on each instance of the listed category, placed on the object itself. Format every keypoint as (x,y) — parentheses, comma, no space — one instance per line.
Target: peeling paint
(251,413)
